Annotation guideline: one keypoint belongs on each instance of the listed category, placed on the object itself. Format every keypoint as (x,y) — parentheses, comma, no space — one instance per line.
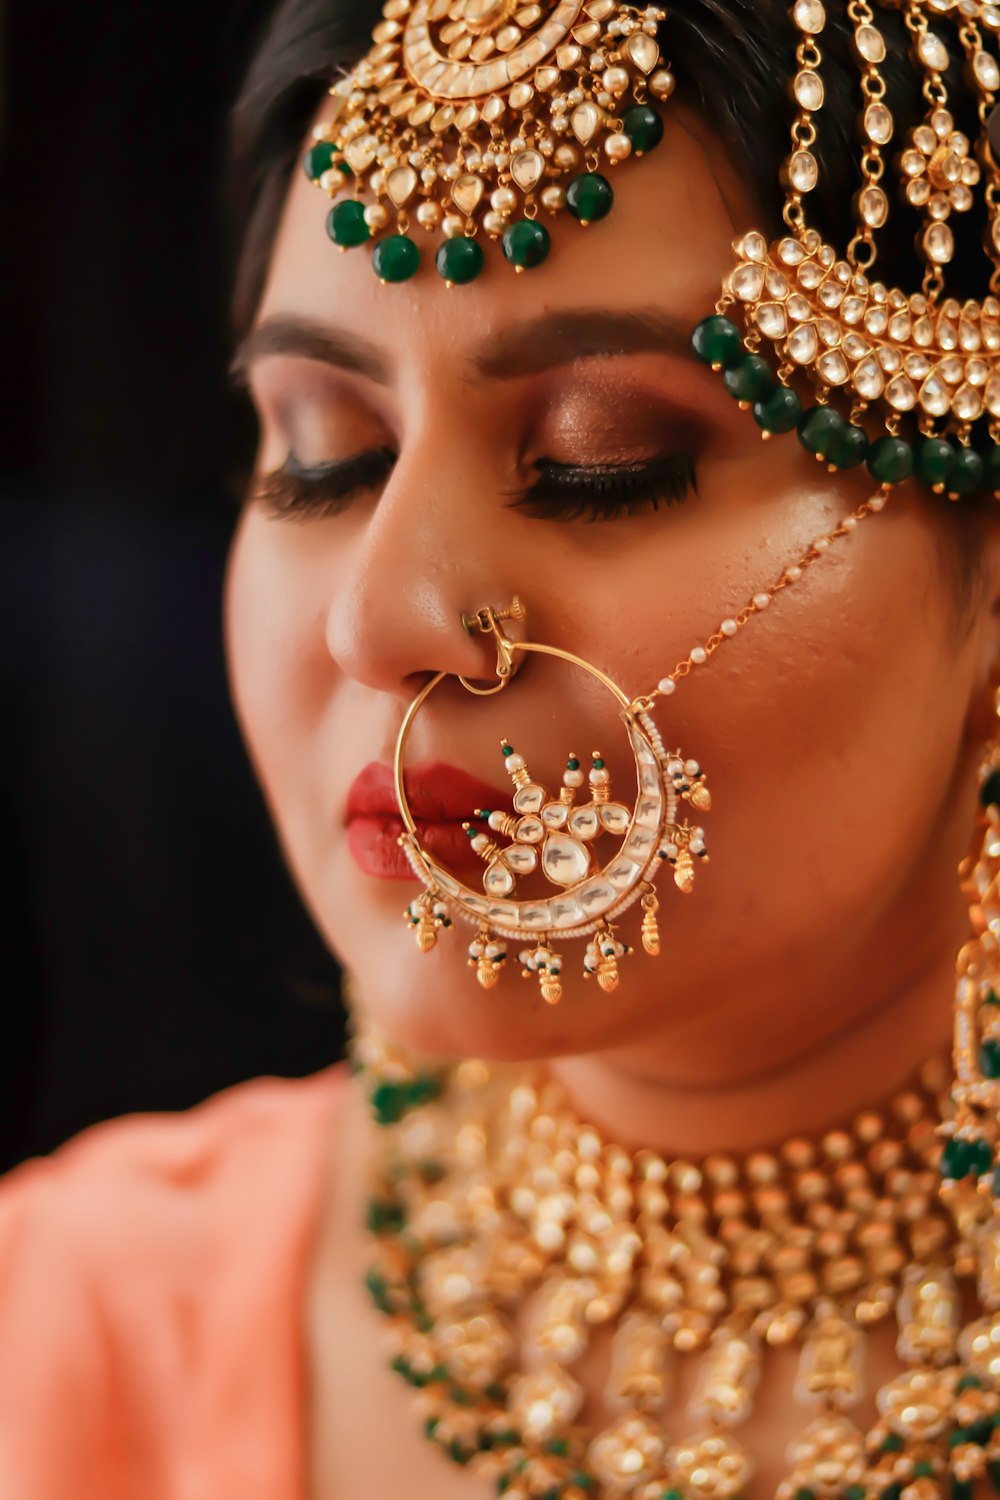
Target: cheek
(829,727)
(279,668)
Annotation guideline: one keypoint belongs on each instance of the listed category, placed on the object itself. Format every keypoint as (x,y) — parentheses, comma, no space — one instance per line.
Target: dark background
(152,949)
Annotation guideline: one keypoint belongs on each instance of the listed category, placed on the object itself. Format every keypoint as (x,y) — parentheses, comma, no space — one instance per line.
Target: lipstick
(441,798)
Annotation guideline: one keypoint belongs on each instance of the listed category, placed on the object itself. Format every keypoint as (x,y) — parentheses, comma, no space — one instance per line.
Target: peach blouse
(152,1285)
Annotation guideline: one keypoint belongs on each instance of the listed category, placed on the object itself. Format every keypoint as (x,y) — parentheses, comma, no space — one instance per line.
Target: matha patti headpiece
(918,357)
(471,116)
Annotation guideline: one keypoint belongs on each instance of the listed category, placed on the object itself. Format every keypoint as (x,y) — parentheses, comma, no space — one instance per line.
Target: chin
(432,1004)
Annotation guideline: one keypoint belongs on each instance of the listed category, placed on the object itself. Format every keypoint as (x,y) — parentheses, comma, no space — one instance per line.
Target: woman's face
(833,729)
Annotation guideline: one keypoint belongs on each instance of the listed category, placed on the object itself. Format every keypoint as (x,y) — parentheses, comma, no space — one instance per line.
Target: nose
(429,554)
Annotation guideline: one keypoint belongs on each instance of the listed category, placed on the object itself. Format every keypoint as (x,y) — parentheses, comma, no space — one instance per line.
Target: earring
(967,1162)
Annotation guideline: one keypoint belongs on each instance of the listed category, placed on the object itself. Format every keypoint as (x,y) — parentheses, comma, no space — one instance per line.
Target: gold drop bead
(721,1172)
(617,147)
(869,1127)
(662,84)
(729,1205)
(798,1155)
(429,214)
(837,1145)
(811,1187)
(762,1168)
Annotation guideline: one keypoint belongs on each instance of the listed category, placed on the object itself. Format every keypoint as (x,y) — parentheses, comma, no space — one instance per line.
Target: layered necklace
(508,1231)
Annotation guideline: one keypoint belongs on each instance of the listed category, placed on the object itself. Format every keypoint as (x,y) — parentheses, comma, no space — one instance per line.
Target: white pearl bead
(877,502)
(515,763)
(821,543)
(794,573)
(699,655)
(691,768)
(376,216)
(429,215)
(599,777)
(573,778)
(729,627)
(761,601)
(666,686)
(850,523)
(453,226)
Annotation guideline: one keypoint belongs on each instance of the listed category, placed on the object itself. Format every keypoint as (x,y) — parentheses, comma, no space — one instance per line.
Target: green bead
(989,792)
(991,468)
(778,412)
(395,258)
(933,462)
(967,472)
(590,197)
(573,764)
(385,1216)
(508,750)
(848,447)
(527,244)
(989,1058)
(961,1489)
(346,224)
(890,460)
(644,128)
(955,1159)
(854,1492)
(717,342)
(923,1470)
(319,159)
(963,1158)
(993,1470)
(805,1493)
(749,379)
(819,429)
(460,260)
(893,1443)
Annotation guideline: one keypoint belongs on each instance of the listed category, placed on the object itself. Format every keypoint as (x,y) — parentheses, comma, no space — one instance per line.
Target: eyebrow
(285,334)
(547,342)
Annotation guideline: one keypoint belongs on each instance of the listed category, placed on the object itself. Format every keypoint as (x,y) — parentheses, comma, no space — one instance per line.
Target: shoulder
(146,1263)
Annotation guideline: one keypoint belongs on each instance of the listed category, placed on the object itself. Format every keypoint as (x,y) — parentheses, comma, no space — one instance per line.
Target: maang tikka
(480,118)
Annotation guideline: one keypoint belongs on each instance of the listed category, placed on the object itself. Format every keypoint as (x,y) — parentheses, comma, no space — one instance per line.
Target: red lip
(441,798)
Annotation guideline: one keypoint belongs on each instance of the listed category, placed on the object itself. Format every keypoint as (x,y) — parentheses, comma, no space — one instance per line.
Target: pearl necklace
(508,1230)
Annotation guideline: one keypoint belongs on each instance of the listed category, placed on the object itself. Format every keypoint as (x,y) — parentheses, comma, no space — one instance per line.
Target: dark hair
(733,60)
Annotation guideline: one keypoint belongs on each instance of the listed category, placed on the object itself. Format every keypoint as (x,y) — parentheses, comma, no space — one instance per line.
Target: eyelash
(561,492)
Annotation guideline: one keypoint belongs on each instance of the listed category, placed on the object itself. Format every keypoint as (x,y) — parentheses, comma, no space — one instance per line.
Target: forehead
(666,245)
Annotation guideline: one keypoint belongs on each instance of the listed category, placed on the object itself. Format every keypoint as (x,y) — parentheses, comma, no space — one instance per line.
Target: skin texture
(810,972)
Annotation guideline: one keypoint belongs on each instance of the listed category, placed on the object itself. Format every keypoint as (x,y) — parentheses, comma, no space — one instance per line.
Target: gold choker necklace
(508,1230)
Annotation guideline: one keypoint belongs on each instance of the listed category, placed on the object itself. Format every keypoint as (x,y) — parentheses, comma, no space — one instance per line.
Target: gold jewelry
(469,116)
(508,1229)
(923,356)
(552,836)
